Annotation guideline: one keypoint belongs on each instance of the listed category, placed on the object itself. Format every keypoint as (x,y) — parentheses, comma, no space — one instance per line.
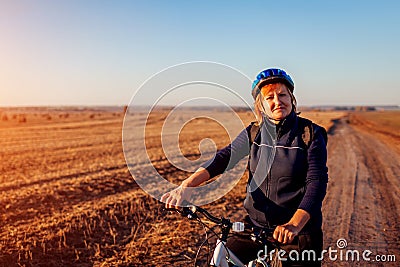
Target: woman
(288,193)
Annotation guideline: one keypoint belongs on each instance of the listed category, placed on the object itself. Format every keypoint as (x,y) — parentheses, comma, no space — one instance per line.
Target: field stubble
(68,199)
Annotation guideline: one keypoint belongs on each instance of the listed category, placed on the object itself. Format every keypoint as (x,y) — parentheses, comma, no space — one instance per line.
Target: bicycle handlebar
(190,212)
(261,234)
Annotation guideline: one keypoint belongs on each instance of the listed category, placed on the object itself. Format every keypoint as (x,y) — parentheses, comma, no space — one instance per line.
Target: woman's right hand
(176,197)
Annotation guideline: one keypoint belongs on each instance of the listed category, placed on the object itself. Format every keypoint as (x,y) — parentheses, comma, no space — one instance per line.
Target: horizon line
(211,106)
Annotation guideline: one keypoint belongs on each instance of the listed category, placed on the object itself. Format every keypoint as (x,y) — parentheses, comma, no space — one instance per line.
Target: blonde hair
(258,106)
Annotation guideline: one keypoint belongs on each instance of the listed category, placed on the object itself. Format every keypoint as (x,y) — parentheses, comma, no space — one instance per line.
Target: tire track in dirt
(362,204)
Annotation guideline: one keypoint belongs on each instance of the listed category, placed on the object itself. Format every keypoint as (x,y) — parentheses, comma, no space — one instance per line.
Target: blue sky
(100,52)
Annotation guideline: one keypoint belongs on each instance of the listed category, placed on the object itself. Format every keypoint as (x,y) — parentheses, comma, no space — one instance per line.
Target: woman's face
(276,100)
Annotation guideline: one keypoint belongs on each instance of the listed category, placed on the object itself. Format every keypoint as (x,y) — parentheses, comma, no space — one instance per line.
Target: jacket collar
(286,124)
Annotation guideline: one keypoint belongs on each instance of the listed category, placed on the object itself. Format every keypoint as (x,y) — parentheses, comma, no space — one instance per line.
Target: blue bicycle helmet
(269,76)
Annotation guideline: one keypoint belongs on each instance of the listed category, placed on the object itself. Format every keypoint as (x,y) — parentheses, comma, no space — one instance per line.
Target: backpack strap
(307,128)
(307,132)
(255,128)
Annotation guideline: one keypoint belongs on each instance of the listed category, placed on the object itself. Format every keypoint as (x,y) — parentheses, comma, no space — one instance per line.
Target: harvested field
(68,199)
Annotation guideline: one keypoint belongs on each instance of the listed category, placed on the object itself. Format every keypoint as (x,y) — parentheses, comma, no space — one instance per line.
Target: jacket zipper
(268,186)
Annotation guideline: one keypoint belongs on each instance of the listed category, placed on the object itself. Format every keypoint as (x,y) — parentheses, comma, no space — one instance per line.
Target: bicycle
(223,256)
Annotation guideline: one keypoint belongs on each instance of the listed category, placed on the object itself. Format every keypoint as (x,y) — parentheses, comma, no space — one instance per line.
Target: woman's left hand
(285,233)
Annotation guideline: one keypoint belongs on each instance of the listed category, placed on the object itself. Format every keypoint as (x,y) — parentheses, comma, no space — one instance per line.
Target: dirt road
(363,200)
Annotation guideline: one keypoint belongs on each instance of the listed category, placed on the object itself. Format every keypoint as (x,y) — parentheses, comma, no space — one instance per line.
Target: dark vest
(277,198)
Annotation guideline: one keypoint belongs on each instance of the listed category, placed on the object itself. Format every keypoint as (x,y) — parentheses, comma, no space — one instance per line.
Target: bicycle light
(238,227)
